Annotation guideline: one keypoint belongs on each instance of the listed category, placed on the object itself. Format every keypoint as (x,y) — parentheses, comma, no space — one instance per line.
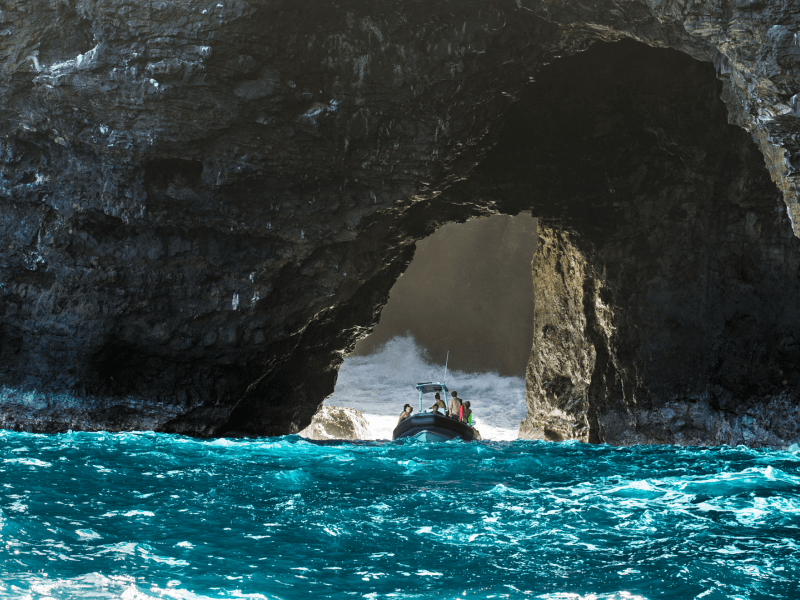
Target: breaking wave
(380,383)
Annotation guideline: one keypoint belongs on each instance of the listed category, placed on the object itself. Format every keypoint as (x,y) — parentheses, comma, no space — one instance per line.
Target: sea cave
(204,210)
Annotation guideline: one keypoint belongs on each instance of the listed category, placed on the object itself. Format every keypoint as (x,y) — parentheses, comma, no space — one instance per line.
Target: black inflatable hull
(433,428)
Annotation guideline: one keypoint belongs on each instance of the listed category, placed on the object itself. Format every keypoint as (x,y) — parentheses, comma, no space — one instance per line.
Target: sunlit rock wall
(563,358)
(204,204)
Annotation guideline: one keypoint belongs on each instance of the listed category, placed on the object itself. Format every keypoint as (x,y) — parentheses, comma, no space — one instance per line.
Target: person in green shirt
(467,414)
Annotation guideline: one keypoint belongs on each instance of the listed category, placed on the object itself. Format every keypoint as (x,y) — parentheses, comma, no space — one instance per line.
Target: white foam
(88,534)
(381,426)
(31,462)
(380,383)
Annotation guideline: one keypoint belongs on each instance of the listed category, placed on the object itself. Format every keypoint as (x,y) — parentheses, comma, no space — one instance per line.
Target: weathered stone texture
(204,204)
(563,360)
(666,282)
(335,423)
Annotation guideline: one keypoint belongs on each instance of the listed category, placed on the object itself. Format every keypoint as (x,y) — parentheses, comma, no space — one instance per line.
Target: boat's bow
(433,427)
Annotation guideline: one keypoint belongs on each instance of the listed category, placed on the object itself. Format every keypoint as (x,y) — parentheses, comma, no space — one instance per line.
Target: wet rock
(334,423)
(666,296)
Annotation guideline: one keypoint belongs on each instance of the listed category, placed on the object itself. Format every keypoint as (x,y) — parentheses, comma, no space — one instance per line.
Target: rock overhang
(207,202)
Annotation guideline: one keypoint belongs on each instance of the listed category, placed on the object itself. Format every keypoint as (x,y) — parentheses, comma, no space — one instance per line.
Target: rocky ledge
(203,204)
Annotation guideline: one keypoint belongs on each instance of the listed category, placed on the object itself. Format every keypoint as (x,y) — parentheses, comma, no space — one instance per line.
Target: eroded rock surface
(667,295)
(335,423)
(204,204)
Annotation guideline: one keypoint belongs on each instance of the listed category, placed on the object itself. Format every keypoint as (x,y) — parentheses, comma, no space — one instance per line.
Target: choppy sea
(381,383)
(144,515)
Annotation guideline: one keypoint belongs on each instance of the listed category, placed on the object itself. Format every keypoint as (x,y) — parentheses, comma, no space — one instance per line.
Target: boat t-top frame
(430,387)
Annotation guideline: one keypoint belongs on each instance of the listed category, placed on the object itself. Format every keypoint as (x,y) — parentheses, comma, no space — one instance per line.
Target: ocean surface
(144,515)
(381,383)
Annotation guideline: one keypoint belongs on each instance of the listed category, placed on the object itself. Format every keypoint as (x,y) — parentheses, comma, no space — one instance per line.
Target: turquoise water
(94,515)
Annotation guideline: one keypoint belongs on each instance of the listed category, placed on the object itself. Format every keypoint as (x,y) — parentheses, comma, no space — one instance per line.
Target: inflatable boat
(433,427)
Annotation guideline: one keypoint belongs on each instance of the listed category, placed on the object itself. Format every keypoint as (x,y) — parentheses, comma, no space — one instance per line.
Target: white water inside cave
(380,383)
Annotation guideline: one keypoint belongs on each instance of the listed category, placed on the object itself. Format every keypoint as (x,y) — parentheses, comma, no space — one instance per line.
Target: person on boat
(437,401)
(455,405)
(467,414)
(407,410)
(435,409)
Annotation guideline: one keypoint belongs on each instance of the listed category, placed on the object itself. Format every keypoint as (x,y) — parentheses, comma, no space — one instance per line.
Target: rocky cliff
(203,204)
(667,276)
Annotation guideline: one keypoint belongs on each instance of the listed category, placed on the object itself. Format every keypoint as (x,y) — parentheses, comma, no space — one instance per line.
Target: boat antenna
(445,367)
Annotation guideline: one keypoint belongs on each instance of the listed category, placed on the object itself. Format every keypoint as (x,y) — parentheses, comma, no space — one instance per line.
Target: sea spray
(381,383)
(144,515)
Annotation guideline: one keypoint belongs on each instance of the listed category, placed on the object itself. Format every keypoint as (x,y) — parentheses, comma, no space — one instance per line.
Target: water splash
(143,515)
(381,383)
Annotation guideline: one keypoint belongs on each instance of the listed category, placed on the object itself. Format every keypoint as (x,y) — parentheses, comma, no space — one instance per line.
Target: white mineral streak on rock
(235,302)
(35,58)
(359,66)
(369,26)
(85,60)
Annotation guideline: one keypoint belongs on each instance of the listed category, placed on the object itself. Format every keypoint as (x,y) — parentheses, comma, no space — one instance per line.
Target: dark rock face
(204,205)
(667,296)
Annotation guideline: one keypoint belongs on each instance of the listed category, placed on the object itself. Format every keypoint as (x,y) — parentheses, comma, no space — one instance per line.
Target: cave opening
(665,277)
(468,291)
(465,301)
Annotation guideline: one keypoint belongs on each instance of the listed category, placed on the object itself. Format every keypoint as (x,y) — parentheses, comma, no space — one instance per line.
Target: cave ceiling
(204,204)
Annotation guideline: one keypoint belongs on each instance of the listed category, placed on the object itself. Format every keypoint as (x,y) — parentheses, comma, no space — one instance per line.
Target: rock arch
(314,150)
